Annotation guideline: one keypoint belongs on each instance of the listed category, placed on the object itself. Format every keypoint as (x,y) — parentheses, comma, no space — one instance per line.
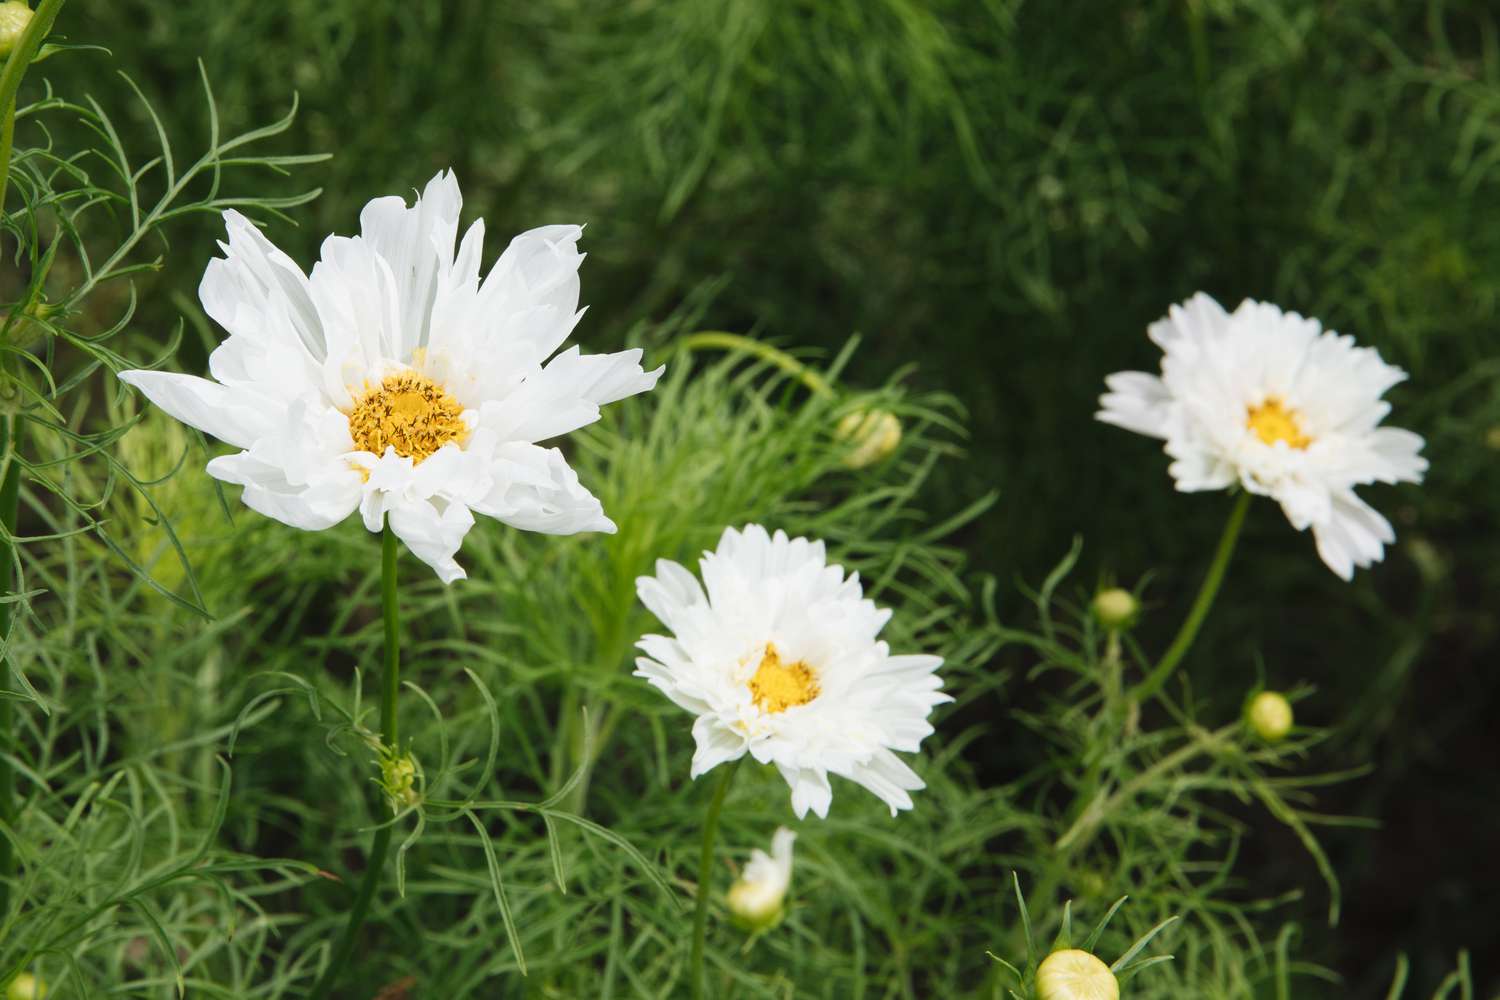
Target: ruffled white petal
(232,417)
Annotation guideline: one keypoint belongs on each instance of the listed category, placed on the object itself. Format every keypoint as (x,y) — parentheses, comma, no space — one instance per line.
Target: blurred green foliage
(1002,194)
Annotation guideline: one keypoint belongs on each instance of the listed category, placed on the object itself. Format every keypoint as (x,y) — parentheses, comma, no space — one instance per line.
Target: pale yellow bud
(1270,716)
(26,987)
(872,435)
(757,898)
(1116,608)
(1075,975)
(14,17)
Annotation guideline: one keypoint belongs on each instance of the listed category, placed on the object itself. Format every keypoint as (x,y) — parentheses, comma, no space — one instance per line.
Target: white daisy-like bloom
(1273,402)
(392,380)
(777,655)
(756,898)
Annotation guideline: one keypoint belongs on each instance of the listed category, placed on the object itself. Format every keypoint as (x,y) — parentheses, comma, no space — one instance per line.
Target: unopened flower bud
(1270,716)
(14,17)
(25,986)
(399,777)
(1075,975)
(757,899)
(1116,608)
(871,435)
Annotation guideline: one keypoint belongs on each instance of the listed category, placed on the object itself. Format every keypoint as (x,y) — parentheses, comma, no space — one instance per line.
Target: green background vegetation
(997,197)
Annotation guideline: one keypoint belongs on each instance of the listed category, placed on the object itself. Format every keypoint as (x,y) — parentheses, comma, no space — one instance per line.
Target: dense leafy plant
(197,765)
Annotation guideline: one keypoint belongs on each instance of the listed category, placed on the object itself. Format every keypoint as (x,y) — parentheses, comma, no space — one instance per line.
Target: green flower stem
(1083,829)
(15,67)
(705,876)
(749,345)
(390,686)
(1201,605)
(10,486)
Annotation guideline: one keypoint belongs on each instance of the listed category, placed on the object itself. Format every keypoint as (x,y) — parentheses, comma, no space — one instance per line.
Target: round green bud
(1075,975)
(1116,608)
(14,17)
(1269,715)
(871,435)
(26,987)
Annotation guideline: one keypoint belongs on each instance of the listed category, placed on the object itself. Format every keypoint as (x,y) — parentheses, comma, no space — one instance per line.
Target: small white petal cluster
(396,302)
(757,896)
(777,655)
(1273,402)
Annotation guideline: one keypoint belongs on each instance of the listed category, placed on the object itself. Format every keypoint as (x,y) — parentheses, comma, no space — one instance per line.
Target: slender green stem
(705,876)
(1201,605)
(9,496)
(1098,810)
(749,345)
(390,686)
(11,71)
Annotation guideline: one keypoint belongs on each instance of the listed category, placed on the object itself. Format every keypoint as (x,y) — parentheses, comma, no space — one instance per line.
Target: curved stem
(749,345)
(390,686)
(11,71)
(705,876)
(9,502)
(1201,604)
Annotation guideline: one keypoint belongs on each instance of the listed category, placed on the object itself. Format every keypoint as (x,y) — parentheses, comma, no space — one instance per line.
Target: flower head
(392,380)
(756,898)
(1072,974)
(777,656)
(1273,402)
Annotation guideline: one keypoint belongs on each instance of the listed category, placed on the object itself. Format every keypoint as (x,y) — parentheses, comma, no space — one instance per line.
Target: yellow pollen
(1272,422)
(408,412)
(778,686)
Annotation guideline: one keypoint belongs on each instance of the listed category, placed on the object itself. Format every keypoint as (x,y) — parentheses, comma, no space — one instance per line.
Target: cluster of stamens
(408,412)
(778,685)
(1273,421)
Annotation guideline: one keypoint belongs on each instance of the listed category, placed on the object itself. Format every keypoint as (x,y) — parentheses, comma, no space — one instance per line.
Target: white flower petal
(716,745)
(229,415)
(433,531)
(535,490)
(309,506)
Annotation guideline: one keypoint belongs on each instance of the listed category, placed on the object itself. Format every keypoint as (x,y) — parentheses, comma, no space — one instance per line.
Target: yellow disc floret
(1272,421)
(778,685)
(408,412)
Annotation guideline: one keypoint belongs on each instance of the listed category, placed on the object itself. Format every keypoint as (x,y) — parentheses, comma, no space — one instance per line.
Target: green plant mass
(871,499)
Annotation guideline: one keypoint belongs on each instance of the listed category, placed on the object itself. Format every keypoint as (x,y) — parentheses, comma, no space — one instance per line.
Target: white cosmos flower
(393,380)
(779,658)
(757,896)
(1272,401)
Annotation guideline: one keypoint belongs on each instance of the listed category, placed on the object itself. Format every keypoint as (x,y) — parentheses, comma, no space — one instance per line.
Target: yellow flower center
(1271,421)
(408,412)
(778,686)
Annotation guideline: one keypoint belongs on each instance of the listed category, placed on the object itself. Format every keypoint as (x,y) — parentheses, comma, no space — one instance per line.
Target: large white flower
(779,658)
(394,381)
(1272,401)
